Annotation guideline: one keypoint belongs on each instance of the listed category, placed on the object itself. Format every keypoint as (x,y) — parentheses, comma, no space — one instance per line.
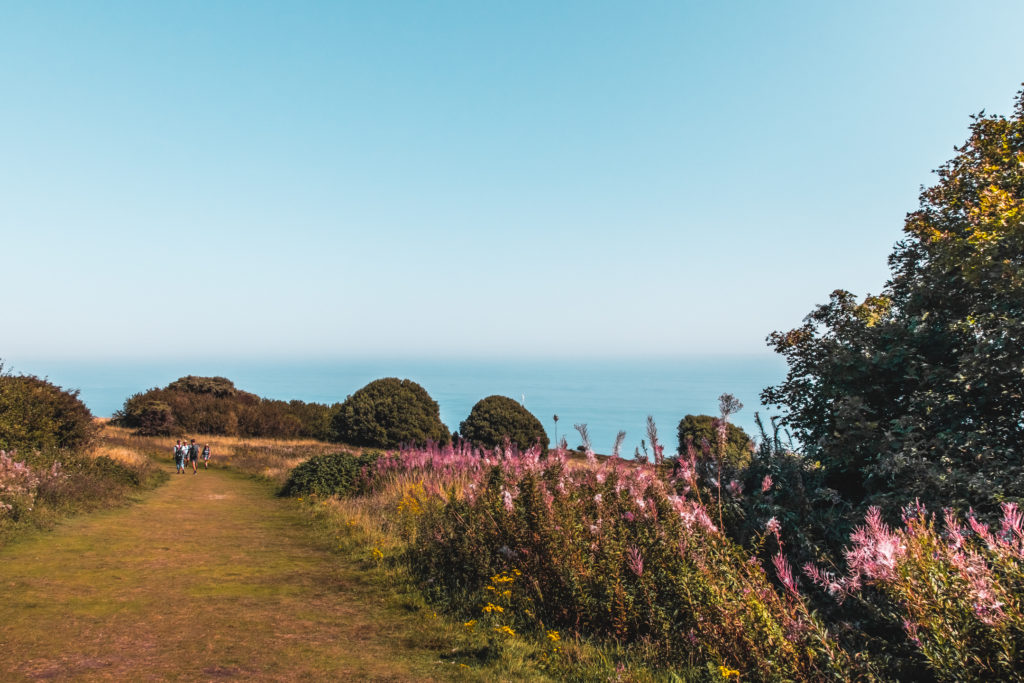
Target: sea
(607,395)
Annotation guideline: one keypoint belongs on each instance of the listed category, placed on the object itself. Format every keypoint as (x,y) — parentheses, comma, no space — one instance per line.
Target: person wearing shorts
(179,457)
(193,456)
(206,456)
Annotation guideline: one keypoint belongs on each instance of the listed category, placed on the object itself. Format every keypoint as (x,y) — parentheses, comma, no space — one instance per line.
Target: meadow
(587,568)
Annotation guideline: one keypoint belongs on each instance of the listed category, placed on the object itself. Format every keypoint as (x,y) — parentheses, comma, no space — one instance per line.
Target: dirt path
(208,578)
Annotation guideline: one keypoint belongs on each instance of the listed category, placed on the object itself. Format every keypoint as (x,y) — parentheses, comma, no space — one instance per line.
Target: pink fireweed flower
(507,498)
(1013,522)
(981,530)
(986,604)
(876,548)
(598,498)
(954,530)
(766,483)
(635,561)
(735,489)
(773,527)
(825,580)
(785,573)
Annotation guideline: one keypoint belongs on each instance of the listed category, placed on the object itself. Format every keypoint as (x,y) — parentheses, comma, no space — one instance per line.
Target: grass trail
(209,577)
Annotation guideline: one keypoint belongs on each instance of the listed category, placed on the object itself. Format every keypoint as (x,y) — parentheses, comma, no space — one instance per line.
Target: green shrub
(341,474)
(212,405)
(496,417)
(218,386)
(389,413)
(700,428)
(35,414)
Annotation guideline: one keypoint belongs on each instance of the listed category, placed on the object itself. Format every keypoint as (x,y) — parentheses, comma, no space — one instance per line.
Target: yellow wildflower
(507,630)
(553,636)
(491,607)
(470,624)
(726,672)
(377,554)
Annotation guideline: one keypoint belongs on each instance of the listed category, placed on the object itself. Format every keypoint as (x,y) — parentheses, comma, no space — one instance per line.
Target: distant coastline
(606,394)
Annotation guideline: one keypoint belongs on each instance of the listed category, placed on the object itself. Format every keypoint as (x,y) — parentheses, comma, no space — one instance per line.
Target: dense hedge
(212,405)
(340,474)
(36,414)
(389,413)
(496,417)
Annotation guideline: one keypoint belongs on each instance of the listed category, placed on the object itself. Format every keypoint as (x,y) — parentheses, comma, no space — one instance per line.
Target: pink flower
(785,573)
(773,527)
(876,548)
(766,483)
(507,497)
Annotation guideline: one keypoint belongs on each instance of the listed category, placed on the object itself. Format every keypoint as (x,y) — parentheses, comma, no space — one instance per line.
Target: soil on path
(208,578)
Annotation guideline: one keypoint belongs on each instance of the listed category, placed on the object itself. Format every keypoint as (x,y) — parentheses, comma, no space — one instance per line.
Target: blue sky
(329,179)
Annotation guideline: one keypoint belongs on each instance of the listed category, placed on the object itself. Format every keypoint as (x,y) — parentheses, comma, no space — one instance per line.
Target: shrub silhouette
(496,417)
(36,414)
(388,413)
(213,405)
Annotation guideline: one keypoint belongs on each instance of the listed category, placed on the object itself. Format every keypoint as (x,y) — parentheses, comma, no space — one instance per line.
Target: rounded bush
(341,474)
(701,427)
(389,413)
(496,417)
(35,414)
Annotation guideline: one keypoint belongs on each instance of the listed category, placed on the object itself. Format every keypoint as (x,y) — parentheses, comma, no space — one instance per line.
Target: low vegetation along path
(209,577)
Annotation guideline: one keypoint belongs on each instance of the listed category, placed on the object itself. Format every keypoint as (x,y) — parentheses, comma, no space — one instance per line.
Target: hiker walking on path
(206,456)
(179,457)
(193,456)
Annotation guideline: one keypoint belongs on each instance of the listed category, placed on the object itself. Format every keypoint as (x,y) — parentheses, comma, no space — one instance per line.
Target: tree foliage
(212,405)
(496,417)
(388,413)
(36,414)
(919,392)
(699,429)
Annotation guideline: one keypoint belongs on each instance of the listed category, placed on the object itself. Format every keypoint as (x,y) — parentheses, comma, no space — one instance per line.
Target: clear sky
(323,179)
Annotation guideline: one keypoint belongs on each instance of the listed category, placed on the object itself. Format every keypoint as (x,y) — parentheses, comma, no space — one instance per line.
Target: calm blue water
(606,395)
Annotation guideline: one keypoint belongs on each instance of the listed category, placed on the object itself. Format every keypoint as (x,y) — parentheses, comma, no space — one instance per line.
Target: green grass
(208,576)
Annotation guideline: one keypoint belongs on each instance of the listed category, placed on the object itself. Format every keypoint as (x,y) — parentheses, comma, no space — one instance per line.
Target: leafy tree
(212,405)
(218,386)
(919,392)
(496,417)
(701,428)
(35,414)
(388,413)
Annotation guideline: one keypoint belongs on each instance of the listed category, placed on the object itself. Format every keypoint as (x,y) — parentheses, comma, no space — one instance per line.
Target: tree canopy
(36,414)
(496,417)
(389,413)
(700,428)
(919,392)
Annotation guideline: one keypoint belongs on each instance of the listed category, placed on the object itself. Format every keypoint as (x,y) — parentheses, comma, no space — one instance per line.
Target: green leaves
(388,413)
(919,392)
(494,418)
